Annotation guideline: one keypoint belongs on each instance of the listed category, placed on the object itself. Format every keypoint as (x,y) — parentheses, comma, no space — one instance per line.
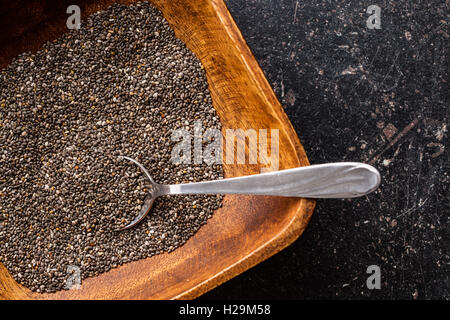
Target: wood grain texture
(247,229)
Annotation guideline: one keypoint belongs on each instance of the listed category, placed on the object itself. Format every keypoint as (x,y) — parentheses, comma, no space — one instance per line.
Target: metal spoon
(330,180)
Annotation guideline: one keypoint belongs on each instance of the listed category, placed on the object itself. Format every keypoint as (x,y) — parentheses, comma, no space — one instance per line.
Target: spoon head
(148,203)
(149,200)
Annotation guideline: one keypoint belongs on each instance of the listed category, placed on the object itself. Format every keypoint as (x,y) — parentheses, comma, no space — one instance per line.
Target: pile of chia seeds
(118,86)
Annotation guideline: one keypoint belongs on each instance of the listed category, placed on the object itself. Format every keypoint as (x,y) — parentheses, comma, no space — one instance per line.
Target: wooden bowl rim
(304,207)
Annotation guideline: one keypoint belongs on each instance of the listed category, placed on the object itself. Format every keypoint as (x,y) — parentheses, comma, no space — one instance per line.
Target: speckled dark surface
(359,94)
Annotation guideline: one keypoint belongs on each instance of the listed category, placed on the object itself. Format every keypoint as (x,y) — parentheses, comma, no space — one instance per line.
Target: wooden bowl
(247,229)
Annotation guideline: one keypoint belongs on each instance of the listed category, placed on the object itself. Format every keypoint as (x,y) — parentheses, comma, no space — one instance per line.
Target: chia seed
(118,86)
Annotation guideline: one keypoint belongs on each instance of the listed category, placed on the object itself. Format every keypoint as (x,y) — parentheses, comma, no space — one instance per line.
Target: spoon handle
(330,180)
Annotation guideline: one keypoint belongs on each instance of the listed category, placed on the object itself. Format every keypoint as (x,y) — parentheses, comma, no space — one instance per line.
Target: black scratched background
(359,94)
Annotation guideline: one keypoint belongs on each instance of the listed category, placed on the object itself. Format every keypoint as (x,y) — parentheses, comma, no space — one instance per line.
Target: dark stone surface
(359,94)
